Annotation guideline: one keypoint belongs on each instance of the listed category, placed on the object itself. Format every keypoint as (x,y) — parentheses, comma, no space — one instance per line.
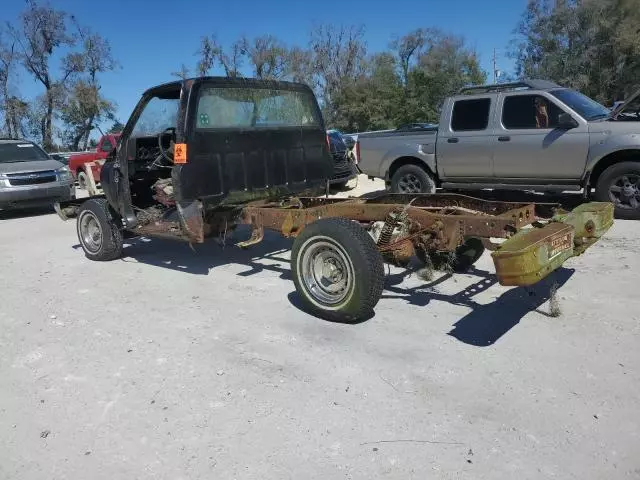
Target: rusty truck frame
(205,171)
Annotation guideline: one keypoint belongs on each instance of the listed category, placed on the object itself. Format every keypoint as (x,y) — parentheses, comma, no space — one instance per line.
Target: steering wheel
(167,154)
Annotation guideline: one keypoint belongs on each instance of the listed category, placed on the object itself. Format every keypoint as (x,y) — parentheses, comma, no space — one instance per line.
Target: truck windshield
(158,115)
(21,152)
(587,108)
(220,107)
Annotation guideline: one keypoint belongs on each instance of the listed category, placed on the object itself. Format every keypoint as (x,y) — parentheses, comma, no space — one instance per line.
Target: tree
(41,32)
(84,107)
(590,45)
(337,61)
(211,54)
(82,110)
(432,65)
(183,73)
(300,65)
(407,48)
(117,127)
(267,56)
(372,101)
(14,109)
(98,59)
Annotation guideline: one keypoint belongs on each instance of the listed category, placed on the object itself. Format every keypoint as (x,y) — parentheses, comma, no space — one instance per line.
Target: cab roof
(229,82)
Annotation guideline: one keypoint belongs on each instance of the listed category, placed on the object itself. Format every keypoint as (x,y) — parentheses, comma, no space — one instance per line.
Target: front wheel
(337,270)
(620,185)
(412,179)
(99,235)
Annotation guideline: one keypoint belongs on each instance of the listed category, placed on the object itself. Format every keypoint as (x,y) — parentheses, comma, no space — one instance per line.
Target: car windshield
(587,108)
(21,152)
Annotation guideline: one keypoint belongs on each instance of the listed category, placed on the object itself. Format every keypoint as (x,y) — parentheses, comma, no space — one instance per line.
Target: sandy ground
(174,364)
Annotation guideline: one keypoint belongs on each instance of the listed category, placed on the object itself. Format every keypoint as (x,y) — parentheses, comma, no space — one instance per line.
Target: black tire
(613,178)
(98,232)
(345,250)
(82,180)
(412,179)
(459,261)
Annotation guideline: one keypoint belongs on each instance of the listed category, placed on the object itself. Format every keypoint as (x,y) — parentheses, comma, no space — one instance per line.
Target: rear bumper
(35,195)
(532,254)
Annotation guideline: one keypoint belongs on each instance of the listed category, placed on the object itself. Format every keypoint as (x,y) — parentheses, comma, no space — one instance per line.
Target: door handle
(504,139)
(452,140)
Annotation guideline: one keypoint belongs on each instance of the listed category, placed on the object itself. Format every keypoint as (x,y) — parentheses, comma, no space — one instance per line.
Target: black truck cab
(204,145)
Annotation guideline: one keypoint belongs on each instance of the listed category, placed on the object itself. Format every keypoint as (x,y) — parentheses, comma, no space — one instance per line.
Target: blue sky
(151,38)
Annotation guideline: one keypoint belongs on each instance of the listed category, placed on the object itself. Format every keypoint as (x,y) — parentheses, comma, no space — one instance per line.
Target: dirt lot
(174,364)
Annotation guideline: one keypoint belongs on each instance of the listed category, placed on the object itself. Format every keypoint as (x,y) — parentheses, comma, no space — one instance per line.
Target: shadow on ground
(486,323)
(26,212)
(483,326)
(200,259)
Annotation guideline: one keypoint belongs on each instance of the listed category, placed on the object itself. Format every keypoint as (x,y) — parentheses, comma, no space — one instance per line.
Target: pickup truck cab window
(531,144)
(470,115)
(220,107)
(529,112)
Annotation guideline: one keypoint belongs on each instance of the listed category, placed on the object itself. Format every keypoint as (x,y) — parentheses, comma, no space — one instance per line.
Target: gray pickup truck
(530,135)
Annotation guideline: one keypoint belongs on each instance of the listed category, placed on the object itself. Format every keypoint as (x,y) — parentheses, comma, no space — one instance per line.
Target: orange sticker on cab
(180,153)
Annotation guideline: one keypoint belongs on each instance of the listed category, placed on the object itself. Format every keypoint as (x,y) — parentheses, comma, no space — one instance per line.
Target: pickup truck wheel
(459,261)
(412,179)
(620,185)
(82,180)
(337,270)
(99,235)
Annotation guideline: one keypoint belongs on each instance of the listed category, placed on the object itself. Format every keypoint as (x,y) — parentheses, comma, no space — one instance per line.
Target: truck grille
(31,178)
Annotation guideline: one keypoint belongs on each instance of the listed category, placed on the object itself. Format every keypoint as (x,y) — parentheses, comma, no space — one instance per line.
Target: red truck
(77,161)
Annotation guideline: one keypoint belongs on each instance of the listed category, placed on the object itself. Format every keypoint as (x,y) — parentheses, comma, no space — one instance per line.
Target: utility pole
(495,67)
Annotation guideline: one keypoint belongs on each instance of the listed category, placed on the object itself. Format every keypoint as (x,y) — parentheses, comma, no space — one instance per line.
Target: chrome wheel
(326,271)
(409,183)
(90,231)
(624,191)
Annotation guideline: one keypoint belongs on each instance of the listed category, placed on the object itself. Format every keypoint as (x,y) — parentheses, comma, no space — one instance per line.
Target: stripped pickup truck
(79,162)
(201,156)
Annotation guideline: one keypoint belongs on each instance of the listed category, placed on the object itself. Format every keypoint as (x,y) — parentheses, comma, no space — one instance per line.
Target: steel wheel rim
(624,191)
(409,183)
(90,232)
(326,271)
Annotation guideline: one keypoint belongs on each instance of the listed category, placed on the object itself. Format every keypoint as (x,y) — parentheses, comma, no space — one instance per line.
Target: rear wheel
(412,179)
(459,261)
(620,185)
(99,235)
(337,270)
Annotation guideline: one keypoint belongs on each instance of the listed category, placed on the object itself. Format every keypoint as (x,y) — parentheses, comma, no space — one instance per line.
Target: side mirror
(566,121)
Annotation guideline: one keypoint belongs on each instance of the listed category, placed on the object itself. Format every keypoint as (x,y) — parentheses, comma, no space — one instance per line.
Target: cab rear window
(220,107)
